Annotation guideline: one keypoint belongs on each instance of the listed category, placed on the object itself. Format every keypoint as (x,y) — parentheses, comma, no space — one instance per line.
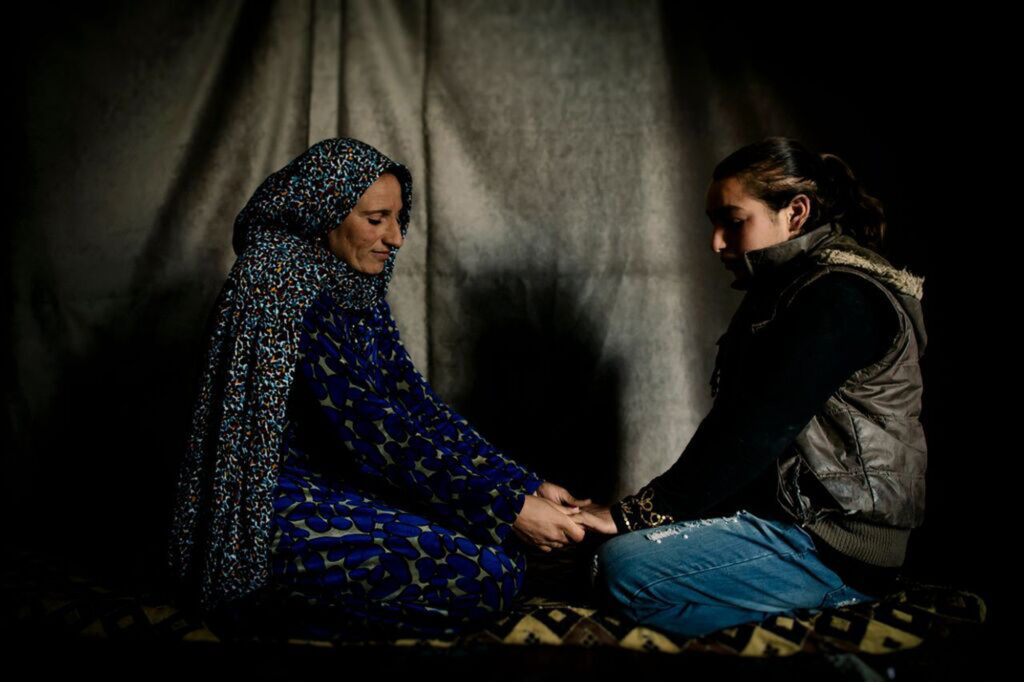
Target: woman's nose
(393,237)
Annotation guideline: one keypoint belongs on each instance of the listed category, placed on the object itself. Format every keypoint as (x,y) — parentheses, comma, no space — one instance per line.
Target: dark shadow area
(539,388)
(535,663)
(693,86)
(108,459)
(104,441)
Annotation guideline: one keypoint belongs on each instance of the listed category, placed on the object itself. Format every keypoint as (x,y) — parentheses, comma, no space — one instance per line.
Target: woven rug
(39,597)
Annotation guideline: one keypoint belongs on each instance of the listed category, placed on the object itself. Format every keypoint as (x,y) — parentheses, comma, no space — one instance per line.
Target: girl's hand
(546,525)
(561,497)
(597,517)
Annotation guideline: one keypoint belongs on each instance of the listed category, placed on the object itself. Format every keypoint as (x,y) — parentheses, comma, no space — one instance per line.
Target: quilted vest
(854,476)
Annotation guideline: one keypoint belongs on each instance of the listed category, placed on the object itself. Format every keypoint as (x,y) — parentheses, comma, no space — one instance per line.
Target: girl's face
(742,223)
(370,232)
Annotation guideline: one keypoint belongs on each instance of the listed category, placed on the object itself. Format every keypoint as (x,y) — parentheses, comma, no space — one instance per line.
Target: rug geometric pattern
(38,596)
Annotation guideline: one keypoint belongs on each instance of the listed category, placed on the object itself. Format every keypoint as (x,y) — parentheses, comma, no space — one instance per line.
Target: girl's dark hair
(777,169)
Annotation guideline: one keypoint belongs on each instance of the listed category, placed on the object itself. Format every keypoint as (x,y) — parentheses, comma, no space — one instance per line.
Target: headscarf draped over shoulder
(220,528)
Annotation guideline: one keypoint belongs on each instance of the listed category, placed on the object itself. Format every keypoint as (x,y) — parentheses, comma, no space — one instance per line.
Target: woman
(320,464)
(800,488)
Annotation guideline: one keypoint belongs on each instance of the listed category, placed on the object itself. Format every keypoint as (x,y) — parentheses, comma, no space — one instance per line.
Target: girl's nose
(717,240)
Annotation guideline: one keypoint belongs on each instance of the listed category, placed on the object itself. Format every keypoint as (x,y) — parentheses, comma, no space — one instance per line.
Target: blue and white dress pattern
(389,504)
(369,497)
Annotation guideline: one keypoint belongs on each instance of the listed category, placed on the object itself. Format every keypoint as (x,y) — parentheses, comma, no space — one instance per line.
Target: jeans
(694,577)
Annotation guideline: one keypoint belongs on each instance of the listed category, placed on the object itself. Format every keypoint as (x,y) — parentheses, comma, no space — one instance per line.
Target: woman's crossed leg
(338,548)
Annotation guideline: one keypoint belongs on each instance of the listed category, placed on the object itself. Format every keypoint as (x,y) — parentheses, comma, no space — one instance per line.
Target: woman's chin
(374,268)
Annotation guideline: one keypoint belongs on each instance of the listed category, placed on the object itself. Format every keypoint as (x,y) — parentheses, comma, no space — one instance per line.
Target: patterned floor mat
(38,596)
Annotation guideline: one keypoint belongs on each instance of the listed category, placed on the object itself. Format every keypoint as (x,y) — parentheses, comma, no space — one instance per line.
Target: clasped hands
(552,518)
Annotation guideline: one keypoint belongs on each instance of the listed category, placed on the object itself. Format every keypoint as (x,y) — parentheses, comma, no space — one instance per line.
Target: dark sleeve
(836,325)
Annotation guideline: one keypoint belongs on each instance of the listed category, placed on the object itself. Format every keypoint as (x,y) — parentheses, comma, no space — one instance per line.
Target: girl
(801,486)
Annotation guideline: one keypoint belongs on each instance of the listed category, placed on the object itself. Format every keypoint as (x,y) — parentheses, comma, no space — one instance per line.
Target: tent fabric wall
(556,286)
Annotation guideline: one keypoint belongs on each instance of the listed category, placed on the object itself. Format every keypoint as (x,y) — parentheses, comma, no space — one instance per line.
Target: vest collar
(760,262)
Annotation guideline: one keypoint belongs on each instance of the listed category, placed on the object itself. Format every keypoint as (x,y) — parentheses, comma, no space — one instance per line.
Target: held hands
(596,517)
(551,518)
(559,495)
(545,518)
(546,524)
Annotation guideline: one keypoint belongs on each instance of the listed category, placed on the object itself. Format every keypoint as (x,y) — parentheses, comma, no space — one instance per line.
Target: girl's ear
(801,211)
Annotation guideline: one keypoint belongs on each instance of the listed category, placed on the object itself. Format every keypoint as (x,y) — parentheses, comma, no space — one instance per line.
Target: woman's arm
(420,398)
(835,326)
(385,442)
(435,415)
(349,404)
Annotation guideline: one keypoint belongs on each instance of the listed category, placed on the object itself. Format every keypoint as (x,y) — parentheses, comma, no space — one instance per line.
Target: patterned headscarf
(220,530)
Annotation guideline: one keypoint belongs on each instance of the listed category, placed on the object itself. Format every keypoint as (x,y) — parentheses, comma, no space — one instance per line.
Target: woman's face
(370,232)
(742,223)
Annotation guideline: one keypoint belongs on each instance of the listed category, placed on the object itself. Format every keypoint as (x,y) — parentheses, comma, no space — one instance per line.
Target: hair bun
(830,174)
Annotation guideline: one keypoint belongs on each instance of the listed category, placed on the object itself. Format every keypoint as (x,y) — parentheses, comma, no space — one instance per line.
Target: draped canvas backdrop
(556,286)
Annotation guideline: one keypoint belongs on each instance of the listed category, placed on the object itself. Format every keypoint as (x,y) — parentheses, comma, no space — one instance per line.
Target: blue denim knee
(696,576)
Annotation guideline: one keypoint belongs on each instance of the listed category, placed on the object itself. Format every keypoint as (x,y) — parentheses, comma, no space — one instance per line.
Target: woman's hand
(546,524)
(597,517)
(560,496)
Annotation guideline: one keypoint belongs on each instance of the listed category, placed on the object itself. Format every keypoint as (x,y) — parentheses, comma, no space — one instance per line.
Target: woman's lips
(383,255)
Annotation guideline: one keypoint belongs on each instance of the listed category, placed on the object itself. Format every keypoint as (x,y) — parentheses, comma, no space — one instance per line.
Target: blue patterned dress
(389,507)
